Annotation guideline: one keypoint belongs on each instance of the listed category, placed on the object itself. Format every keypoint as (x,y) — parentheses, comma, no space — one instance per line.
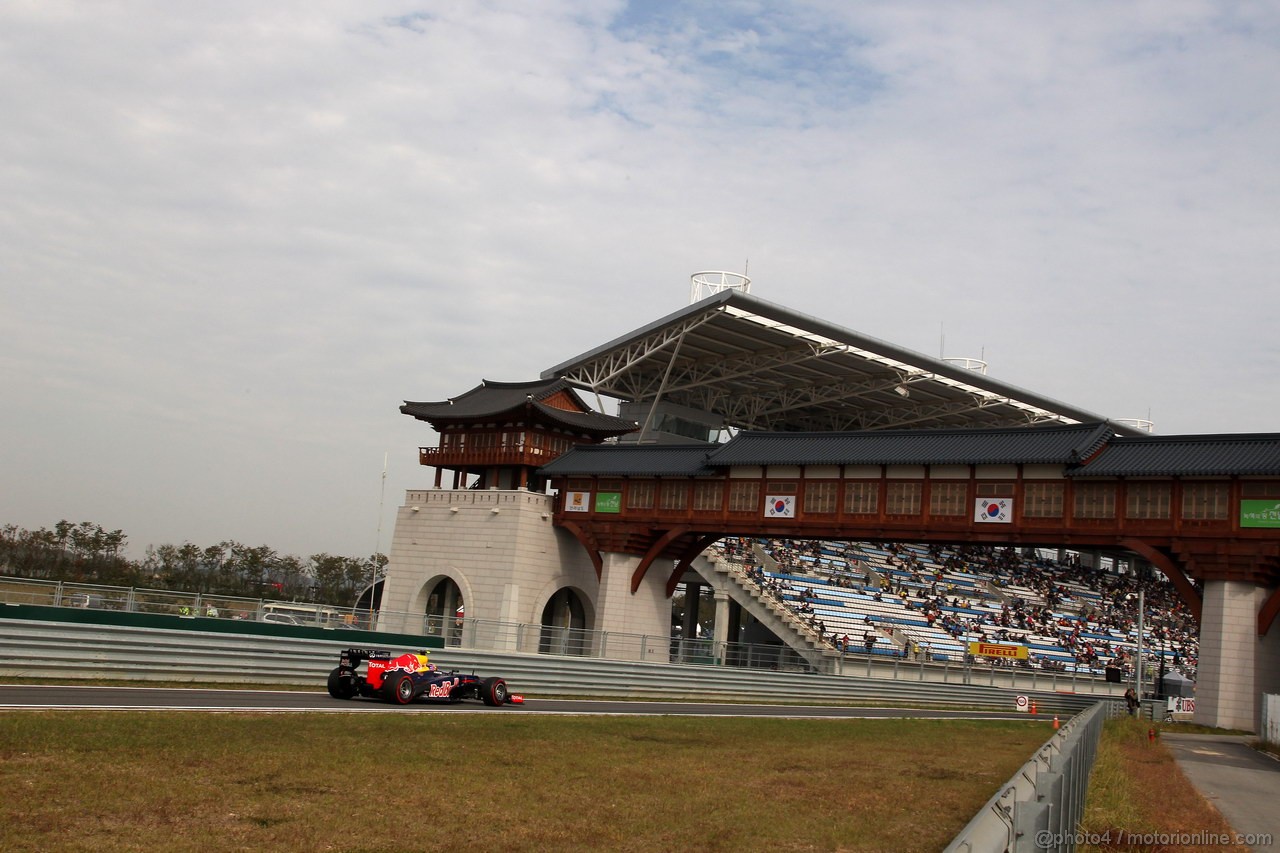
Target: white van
(294,613)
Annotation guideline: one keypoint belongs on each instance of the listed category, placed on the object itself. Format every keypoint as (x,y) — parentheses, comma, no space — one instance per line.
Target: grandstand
(927,603)
(835,437)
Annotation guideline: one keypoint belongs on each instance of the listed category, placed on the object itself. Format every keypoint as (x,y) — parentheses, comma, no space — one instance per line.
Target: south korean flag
(780,506)
(993,510)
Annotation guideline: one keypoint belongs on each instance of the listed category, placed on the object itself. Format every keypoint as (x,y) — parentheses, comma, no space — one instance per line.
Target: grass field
(114,781)
(1137,788)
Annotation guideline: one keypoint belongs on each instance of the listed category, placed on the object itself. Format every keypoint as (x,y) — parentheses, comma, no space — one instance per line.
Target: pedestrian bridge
(1204,510)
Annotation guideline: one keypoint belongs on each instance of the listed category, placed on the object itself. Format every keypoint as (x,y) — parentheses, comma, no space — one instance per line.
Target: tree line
(86,553)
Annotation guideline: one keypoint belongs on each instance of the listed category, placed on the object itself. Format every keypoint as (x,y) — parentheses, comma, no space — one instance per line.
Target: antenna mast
(711,282)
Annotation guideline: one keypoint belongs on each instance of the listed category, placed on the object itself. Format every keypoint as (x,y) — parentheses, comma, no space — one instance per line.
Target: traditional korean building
(483,543)
(500,433)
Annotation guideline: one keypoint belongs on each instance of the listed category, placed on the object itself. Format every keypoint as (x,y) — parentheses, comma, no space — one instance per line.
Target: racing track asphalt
(1241,782)
(85,698)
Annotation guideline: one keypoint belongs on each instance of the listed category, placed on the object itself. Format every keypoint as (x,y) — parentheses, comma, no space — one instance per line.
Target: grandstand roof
(490,399)
(761,366)
(1187,456)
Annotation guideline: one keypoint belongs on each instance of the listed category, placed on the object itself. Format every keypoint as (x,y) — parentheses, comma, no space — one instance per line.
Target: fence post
(1271,718)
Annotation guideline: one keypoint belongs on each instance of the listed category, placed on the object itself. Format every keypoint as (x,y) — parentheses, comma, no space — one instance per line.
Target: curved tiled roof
(632,460)
(493,399)
(1256,454)
(1085,450)
(1064,445)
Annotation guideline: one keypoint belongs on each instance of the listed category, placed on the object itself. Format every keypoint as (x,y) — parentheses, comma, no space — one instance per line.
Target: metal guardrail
(163,602)
(60,650)
(1040,808)
(513,638)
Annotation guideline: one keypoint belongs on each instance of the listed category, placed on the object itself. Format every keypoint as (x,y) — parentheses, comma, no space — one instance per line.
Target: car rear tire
(340,686)
(493,691)
(400,689)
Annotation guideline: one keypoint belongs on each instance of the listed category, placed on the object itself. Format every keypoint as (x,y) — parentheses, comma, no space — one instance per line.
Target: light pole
(1162,629)
(1137,674)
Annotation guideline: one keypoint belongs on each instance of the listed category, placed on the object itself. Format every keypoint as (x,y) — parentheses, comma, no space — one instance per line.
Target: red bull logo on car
(442,690)
(409,662)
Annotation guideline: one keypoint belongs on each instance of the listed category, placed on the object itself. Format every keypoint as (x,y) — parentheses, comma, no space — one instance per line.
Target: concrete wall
(508,560)
(647,610)
(1236,666)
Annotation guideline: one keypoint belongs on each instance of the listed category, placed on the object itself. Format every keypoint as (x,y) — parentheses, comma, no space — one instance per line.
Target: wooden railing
(475,457)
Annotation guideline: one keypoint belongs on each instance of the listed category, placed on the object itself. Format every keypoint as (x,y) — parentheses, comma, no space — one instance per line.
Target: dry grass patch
(350,782)
(1138,788)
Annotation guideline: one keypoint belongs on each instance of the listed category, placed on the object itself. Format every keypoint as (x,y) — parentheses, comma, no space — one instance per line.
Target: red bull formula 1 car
(405,678)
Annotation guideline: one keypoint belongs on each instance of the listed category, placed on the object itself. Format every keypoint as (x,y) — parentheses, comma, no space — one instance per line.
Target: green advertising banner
(609,502)
(1260,513)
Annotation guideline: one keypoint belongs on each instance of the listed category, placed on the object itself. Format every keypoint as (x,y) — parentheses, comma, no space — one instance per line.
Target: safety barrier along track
(60,650)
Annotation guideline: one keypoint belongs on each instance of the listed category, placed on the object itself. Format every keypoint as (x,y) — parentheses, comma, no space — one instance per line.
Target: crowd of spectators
(1087,617)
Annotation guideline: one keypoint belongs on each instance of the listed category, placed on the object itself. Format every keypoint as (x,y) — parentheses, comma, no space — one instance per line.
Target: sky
(236,236)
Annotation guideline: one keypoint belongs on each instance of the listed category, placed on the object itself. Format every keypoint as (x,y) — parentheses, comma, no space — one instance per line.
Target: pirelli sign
(997,650)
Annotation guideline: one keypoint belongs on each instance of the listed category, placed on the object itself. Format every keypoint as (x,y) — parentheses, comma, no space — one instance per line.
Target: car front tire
(493,691)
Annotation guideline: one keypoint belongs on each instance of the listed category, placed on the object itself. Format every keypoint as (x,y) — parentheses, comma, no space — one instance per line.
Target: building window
(820,497)
(995,490)
(1261,490)
(1095,500)
(861,497)
(1042,500)
(640,494)
(708,495)
(1148,500)
(744,496)
(1205,501)
(673,494)
(903,497)
(948,498)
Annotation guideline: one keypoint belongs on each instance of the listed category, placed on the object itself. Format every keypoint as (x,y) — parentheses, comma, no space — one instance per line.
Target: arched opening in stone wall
(445,611)
(564,625)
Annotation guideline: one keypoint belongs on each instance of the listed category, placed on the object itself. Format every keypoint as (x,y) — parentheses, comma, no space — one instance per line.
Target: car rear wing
(354,657)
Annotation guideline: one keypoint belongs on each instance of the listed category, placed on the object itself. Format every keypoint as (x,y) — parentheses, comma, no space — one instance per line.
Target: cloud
(236,236)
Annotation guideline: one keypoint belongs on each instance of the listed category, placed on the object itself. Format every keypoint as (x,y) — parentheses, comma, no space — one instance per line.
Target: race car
(408,677)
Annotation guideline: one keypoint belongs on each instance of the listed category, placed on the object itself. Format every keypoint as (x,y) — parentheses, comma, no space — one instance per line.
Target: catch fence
(215,612)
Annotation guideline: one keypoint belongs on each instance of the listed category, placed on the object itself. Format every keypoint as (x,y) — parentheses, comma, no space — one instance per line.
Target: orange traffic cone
(1055,722)
(1033,706)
